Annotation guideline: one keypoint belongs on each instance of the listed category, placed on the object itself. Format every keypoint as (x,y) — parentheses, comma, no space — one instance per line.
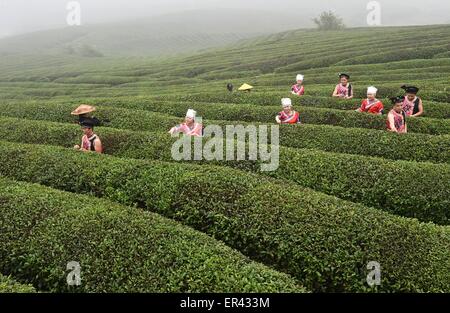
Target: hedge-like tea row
(397,55)
(309,115)
(374,143)
(324,242)
(432,109)
(381,67)
(434,91)
(344,57)
(9,285)
(371,181)
(410,147)
(243,112)
(119,118)
(286,45)
(119,249)
(362,78)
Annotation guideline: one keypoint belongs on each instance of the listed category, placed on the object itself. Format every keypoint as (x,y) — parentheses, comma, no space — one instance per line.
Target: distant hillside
(169,34)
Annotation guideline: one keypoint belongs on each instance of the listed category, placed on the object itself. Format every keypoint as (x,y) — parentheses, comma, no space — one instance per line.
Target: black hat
(88,122)
(398,99)
(344,75)
(410,89)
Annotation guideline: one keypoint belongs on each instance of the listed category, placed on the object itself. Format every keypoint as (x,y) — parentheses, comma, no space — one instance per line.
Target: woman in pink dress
(298,89)
(344,90)
(90,141)
(412,105)
(190,127)
(396,121)
(288,115)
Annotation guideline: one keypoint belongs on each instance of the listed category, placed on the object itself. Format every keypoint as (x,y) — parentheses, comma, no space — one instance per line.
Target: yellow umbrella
(245,87)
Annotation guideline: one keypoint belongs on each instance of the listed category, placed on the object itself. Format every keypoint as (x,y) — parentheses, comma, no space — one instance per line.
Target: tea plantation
(346,192)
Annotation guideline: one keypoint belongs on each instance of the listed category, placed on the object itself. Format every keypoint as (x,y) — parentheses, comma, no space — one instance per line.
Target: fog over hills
(170,33)
(137,27)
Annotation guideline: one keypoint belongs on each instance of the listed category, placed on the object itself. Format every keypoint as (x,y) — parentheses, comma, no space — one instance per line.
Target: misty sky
(20,16)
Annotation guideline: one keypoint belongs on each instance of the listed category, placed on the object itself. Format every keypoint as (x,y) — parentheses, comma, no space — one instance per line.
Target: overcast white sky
(19,16)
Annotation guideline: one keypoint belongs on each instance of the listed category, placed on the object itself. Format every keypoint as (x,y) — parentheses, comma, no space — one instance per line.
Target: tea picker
(288,115)
(189,127)
(90,142)
(298,89)
(396,121)
(344,89)
(412,105)
(371,105)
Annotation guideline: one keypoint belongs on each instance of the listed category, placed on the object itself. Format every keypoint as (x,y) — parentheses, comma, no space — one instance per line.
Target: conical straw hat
(245,87)
(83,109)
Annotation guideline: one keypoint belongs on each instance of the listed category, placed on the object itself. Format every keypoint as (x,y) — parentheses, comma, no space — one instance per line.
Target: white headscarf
(286,102)
(191,114)
(372,90)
